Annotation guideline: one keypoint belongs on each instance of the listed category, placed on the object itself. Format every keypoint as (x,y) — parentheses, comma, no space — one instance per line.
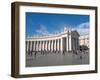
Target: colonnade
(54,45)
(45,45)
(66,41)
(75,44)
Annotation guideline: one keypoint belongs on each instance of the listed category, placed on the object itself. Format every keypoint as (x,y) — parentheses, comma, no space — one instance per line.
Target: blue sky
(47,23)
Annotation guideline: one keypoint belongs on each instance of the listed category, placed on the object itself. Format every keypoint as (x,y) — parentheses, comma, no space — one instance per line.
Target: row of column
(48,45)
(63,44)
(75,44)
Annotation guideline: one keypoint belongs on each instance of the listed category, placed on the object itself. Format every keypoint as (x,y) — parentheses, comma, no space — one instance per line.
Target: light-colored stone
(65,41)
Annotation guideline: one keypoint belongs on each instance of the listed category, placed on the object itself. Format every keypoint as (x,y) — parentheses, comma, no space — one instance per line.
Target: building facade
(64,41)
(84,40)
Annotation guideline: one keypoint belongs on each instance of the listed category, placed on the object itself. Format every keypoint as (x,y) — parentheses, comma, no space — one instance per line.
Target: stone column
(70,45)
(27,46)
(76,44)
(67,43)
(30,45)
(45,45)
(58,45)
(39,46)
(61,44)
(34,45)
(55,45)
(52,45)
(73,44)
(49,45)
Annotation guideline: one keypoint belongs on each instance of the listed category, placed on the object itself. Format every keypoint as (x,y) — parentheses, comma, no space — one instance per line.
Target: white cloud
(43,30)
(84,25)
(82,28)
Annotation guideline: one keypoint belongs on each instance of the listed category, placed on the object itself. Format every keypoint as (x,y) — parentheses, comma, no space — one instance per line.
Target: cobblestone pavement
(54,59)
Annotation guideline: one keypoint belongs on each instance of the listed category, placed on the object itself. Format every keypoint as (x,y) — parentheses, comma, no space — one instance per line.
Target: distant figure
(75,52)
(28,53)
(63,53)
(80,49)
(35,53)
(31,53)
(80,57)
